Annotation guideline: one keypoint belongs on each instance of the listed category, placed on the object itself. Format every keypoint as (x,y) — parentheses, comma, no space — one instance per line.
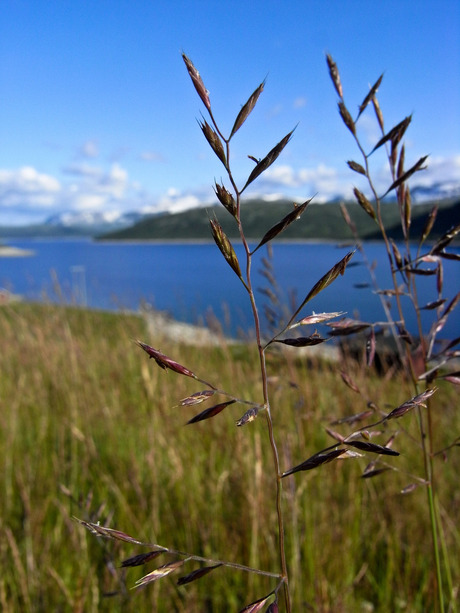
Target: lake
(191,280)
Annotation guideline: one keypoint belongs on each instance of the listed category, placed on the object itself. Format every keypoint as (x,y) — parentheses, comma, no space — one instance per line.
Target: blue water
(192,280)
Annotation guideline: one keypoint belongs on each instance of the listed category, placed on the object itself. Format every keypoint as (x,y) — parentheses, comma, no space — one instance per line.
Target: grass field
(90,428)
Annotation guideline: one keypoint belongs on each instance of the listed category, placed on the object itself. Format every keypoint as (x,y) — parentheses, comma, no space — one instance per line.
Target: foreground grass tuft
(87,430)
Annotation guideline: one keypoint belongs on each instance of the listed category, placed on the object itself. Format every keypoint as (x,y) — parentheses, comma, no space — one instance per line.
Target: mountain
(448,216)
(93,222)
(435,192)
(319,222)
(75,223)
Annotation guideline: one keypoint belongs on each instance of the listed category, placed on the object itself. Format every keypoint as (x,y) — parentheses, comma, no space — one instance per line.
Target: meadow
(90,428)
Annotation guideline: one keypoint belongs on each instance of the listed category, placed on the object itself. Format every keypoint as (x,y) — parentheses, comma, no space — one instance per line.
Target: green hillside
(320,222)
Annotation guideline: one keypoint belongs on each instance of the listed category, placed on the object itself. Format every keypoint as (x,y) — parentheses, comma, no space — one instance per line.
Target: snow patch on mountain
(93,219)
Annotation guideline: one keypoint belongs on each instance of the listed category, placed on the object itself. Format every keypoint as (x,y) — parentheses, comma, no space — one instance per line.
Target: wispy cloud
(29,195)
(82,169)
(89,149)
(325,181)
(370,129)
(442,173)
(119,153)
(440,170)
(151,156)
(299,102)
(100,189)
(176,200)
(274,111)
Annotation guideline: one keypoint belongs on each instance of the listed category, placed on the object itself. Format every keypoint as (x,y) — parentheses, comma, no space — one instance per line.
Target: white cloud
(35,195)
(95,179)
(28,195)
(439,170)
(328,182)
(25,186)
(281,175)
(176,201)
(88,202)
(98,189)
(114,183)
(322,180)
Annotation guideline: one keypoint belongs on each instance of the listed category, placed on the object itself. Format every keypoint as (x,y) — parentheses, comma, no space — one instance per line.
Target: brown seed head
(225,198)
(225,246)
(197,82)
(346,117)
(164,362)
(356,167)
(249,416)
(213,139)
(364,203)
(334,72)
(247,109)
(378,113)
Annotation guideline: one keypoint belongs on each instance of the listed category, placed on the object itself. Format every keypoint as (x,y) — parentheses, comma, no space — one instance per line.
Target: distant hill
(448,216)
(73,224)
(319,222)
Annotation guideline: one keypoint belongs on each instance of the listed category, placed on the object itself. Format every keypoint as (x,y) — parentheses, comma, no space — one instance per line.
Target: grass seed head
(164,362)
(197,82)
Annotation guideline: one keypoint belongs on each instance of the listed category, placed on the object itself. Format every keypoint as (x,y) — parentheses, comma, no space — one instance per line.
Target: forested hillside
(320,221)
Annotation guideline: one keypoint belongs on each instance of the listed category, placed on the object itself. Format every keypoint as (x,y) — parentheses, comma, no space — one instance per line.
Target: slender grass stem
(452,606)
(431,494)
(426,435)
(271,436)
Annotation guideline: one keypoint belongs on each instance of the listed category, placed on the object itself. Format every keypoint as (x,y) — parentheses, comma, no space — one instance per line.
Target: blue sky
(98,112)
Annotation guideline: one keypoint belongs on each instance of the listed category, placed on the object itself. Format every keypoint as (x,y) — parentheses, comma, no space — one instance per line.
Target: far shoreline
(210,241)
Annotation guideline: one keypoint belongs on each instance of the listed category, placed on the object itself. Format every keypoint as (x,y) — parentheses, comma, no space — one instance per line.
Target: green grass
(90,428)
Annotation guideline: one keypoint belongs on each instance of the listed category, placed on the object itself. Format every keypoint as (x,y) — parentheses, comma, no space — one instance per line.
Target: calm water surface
(191,280)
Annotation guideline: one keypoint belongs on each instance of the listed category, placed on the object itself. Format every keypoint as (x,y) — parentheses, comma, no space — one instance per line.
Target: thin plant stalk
(268,416)
(263,369)
(398,178)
